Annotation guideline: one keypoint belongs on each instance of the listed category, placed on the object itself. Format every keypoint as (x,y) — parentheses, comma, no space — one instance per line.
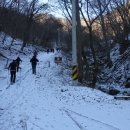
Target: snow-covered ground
(50,101)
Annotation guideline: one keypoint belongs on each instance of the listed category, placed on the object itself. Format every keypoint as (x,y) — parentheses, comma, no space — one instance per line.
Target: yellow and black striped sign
(74,72)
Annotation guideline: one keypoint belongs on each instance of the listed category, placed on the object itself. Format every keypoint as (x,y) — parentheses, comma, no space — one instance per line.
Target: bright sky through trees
(45,1)
(54,9)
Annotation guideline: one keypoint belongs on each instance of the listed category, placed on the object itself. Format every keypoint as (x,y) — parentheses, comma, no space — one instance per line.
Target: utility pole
(74,40)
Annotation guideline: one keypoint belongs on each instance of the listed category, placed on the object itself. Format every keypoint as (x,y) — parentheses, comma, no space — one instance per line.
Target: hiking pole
(48,63)
(8,78)
(20,76)
(37,69)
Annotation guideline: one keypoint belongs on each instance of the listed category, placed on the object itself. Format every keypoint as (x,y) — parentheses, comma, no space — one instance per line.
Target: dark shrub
(113,91)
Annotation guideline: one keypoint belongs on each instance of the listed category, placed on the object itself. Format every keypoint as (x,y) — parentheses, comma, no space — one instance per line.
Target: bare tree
(33,8)
(102,5)
(90,14)
(122,16)
(66,6)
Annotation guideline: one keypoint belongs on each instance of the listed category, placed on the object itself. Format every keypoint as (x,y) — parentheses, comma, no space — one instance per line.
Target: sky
(50,101)
(54,10)
(44,1)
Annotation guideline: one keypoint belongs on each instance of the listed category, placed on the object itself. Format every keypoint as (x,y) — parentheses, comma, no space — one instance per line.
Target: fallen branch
(3,56)
(122,97)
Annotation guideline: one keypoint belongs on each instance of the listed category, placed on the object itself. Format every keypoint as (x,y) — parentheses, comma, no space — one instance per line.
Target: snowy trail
(88,118)
(47,101)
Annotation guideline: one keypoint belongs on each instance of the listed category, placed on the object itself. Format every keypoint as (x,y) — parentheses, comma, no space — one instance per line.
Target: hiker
(58,49)
(52,50)
(35,53)
(47,51)
(12,67)
(18,60)
(34,61)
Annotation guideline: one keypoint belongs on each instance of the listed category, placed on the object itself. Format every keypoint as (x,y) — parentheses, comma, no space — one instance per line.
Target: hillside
(50,101)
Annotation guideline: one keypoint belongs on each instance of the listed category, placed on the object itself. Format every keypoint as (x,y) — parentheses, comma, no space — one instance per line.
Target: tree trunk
(95,69)
(4,38)
(79,46)
(105,35)
(27,31)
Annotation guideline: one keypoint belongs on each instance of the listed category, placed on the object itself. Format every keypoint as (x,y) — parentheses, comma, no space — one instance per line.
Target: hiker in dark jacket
(18,60)
(35,53)
(13,67)
(34,61)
